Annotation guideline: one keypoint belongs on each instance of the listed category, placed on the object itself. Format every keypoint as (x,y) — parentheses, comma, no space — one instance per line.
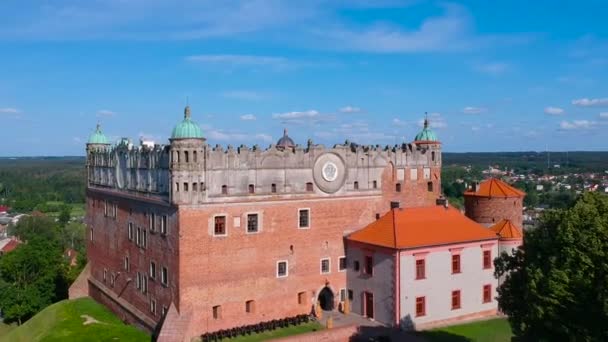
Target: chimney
(395,205)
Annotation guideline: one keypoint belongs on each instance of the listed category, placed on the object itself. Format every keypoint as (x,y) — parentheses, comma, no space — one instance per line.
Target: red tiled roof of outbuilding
(507,230)
(420,227)
(495,188)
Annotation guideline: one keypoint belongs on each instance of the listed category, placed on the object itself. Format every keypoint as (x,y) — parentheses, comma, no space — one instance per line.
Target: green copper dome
(98,137)
(187,129)
(426,134)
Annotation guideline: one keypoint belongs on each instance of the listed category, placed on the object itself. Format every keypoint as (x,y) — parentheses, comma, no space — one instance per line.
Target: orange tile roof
(495,188)
(507,230)
(10,246)
(423,226)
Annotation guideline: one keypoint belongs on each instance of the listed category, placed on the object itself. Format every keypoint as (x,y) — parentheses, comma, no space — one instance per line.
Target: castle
(187,238)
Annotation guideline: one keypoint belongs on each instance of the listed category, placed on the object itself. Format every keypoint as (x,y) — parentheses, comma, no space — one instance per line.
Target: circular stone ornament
(329,172)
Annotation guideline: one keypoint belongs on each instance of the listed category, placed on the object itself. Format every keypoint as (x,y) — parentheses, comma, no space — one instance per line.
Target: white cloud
(248,117)
(586,102)
(577,125)
(105,113)
(554,111)
(350,109)
(492,68)
(435,121)
(309,117)
(243,95)
(9,110)
(604,115)
(237,137)
(399,122)
(473,110)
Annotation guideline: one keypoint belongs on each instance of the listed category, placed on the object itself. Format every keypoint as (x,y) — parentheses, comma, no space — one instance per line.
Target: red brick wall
(487,211)
(110,245)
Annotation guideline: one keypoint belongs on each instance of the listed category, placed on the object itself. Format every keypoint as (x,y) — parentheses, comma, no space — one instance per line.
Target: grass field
(74,320)
(4,329)
(289,331)
(494,330)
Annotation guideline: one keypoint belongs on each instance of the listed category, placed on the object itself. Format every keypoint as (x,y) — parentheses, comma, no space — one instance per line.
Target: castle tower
(428,147)
(492,201)
(187,161)
(96,148)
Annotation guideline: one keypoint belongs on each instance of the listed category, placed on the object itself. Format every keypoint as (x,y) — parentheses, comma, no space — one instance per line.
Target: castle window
(351,295)
(250,306)
(304,218)
(176,187)
(325,266)
(112,279)
(420,306)
(433,155)
(420,269)
(153,306)
(195,187)
(356,185)
(152,269)
(282,270)
(105,208)
(251,188)
(91,235)
(144,241)
(186,157)
(105,274)
(185,187)
(429,186)
(273,188)
(217,312)
(138,281)
(427,173)
(369,265)
(163,225)
(219,225)
(377,216)
(342,295)
(301,298)
(163,311)
(487,259)
(195,156)
(224,190)
(138,237)
(127,266)
(487,293)
(202,186)
(356,266)
(455,299)
(164,276)
(252,223)
(398,187)
(414,174)
(152,222)
(375,184)
(309,187)
(342,264)
(455,263)
(177,154)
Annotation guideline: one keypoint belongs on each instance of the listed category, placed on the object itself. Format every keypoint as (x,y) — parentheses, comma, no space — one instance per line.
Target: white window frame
(345,263)
(153,306)
(138,281)
(328,265)
(105,274)
(225,225)
(343,291)
(152,274)
(130,231)
(112,279)
(152,222)
(164,222)
(259,223)
(309,218)
(286,269)
(414,174)
(164,276)
(126,263)
(426,173)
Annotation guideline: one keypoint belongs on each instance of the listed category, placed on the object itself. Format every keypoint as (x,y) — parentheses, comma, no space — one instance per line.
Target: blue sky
(493,75)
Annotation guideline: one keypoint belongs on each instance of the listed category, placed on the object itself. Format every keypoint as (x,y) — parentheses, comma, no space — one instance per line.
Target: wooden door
(369,305)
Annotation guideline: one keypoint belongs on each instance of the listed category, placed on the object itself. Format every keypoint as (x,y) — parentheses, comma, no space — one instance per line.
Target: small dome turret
(285,141)
(427,133)
(98,137)
(187,129)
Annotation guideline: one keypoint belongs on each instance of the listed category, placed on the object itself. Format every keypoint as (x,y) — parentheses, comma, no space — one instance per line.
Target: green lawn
(4,329)
(494,330)
(64,321)
(289,331)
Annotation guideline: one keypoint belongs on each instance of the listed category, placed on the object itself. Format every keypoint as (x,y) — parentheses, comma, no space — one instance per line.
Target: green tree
(555,286)
(65,215)
(32,277)
(36,226)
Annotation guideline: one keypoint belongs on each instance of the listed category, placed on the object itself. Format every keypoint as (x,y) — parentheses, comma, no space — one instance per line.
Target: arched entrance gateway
(326,299)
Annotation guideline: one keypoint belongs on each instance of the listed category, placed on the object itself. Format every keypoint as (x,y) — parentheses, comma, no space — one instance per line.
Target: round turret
(98,138)
(187,129)
(285,141)
(427,135)
(493,200)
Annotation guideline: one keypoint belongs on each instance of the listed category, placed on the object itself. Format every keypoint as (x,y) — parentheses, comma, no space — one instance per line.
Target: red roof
(495,188)
(10,246)
(4,208)
(507,230)
(420,227)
